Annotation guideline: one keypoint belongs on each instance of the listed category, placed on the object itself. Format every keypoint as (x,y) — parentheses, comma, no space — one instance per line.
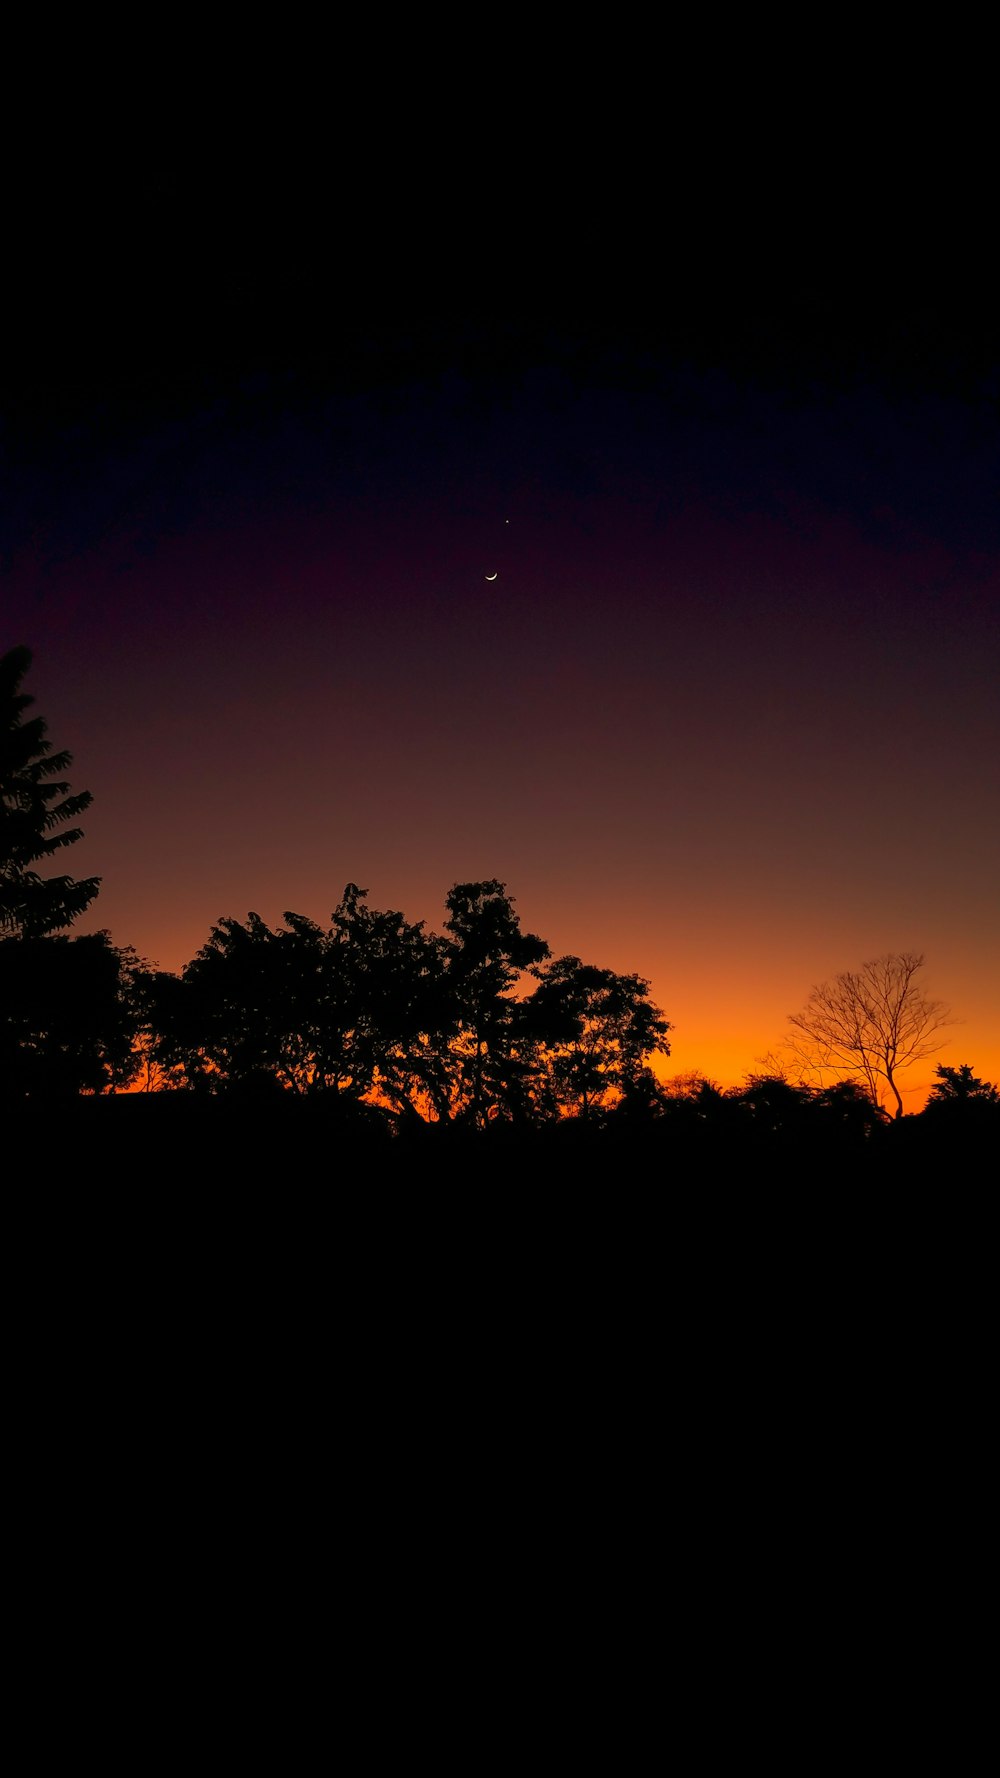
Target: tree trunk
(895,1093)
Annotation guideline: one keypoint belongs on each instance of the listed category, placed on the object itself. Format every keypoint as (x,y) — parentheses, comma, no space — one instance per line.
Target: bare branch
(875,1021)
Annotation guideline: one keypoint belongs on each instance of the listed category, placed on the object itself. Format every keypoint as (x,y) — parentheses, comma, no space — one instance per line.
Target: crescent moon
(491,577)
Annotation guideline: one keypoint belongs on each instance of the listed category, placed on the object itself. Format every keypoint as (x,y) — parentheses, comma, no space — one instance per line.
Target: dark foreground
(219,1144)
(330,1389)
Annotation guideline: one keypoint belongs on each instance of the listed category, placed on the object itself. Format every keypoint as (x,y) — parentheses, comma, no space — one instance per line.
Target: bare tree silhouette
(872,1022)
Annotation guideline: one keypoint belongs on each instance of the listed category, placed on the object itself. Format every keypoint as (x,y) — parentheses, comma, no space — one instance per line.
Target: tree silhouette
(959,1086)
(962,1117)
(389,984)
(597,1030)
(233,1019)
(434,1029)
(874,1021)
(35,803)
(69,1017)
(346,1011)
(487,955)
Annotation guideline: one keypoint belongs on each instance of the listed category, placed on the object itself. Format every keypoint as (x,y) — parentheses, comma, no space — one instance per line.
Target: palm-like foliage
(35,805)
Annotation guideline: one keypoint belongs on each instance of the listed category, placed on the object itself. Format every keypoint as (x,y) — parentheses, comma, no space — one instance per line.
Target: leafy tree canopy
(597,1030)
(434,1027)
(959,1086)
(308,1010)
(487,955)
(69,1017)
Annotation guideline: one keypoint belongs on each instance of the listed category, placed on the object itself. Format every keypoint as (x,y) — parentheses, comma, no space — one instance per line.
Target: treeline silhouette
(477,1024)
(374,1035)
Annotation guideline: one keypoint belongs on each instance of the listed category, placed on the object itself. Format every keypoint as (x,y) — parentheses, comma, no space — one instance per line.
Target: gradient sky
(728,716)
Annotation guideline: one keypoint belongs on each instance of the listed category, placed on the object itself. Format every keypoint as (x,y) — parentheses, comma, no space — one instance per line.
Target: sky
(727,716)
